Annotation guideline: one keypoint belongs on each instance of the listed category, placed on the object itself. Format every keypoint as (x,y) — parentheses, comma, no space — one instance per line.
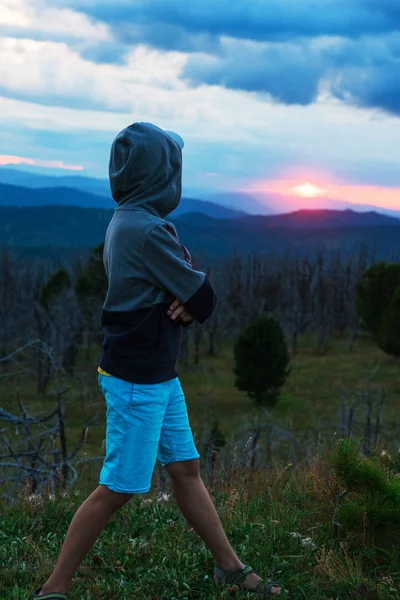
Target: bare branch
(19,350)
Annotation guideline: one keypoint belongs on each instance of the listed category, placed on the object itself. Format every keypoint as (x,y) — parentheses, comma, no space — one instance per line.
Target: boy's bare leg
(196,506)
(86,526)
(93,515)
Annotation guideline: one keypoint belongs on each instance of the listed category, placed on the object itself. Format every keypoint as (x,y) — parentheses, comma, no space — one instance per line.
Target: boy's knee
(114,500)
(187,468)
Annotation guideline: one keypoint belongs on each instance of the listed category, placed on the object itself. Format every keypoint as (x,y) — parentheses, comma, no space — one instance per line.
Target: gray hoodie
(146,265)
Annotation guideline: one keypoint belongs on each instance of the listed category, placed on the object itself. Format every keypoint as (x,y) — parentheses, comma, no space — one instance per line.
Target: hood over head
(145,169)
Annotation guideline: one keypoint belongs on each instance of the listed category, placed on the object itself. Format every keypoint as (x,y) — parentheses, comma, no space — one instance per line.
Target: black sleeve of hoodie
(203,302)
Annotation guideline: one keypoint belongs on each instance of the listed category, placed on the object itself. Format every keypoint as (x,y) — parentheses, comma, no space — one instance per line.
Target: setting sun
(308,190)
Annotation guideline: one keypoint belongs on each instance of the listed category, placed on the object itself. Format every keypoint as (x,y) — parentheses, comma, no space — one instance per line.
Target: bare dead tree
(34,450)
(212,328)
(361,412)
(197,335)
(374,401)
(297,300)
(323,308)
(254,448)
(308,293)
(184,351)
(313,293)
(39,458)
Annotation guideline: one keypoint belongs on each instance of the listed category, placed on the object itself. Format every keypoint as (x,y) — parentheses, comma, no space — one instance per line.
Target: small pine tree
(55,285)
(262,360)
(378,304)
(93,281)
(372,503)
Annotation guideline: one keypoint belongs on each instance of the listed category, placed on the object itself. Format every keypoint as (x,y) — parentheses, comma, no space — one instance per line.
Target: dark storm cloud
(174,23)
(361,67)
(373,87)
(289,73)
(287,49)
(363,72)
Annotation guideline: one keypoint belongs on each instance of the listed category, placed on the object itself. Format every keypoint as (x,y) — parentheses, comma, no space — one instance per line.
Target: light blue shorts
(144,422)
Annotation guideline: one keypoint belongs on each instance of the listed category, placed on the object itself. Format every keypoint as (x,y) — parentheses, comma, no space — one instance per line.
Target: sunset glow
(308,190)
(50,164)
(319,195)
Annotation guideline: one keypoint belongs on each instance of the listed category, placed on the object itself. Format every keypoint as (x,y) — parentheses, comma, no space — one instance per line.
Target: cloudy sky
(297,97)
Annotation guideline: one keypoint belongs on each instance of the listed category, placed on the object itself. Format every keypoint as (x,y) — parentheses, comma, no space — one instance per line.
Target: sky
(291,97)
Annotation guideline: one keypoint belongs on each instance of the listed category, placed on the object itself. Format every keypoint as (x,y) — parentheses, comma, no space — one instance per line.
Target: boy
(153,290)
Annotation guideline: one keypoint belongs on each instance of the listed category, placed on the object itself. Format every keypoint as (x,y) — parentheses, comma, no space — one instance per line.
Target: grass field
(148,552)
(311,400)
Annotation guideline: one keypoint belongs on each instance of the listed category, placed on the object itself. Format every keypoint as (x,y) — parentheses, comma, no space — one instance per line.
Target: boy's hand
(178,313)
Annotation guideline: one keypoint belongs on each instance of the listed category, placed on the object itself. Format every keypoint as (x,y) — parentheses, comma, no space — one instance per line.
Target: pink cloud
(51,164)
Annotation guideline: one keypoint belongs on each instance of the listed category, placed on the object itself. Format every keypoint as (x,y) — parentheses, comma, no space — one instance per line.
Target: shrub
(93,281)
(262,360)
(55,285)
(378,304)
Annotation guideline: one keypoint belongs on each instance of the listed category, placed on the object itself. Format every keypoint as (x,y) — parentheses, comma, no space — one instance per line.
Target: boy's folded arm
(170,268)
(202,304)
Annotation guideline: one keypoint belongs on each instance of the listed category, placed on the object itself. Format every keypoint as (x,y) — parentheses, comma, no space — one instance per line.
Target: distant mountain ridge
(71,227)
(30,179)
(323,219)
(193,209)
(13,195)
(343,231)
(210,209)
(240,201)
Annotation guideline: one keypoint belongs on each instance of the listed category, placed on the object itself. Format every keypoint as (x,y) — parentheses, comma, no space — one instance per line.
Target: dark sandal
(263,589)
(51,596)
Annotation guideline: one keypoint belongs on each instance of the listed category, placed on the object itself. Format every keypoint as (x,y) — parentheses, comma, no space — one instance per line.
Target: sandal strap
(233,577)
(265,588)
(52,596)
